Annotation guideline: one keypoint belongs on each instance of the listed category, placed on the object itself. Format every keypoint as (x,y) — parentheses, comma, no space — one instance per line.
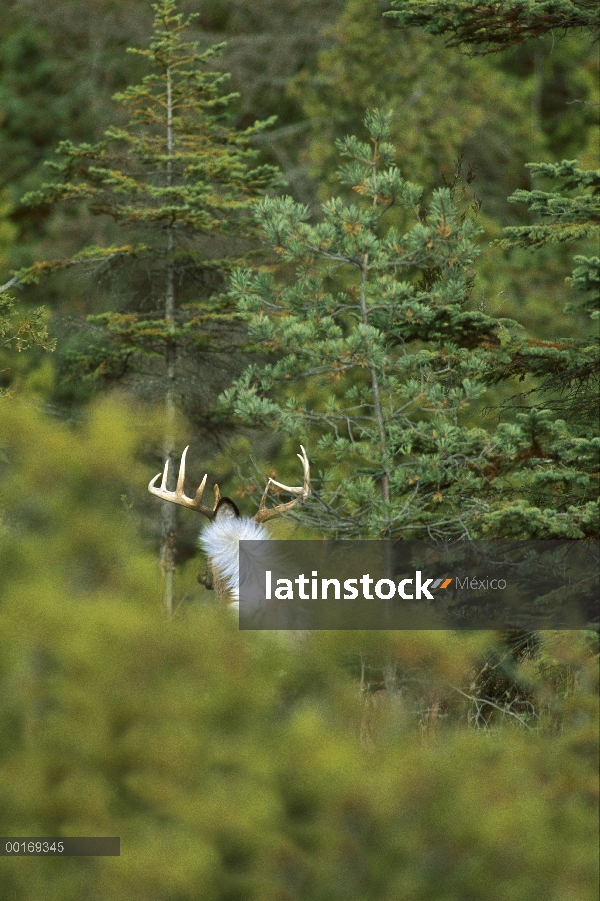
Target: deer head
(226,527)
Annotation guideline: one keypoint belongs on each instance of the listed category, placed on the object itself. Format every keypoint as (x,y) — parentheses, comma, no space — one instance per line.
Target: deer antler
(263,513)
(178,496)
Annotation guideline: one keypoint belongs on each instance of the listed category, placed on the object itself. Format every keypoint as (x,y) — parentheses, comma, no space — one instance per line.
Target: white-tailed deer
(226,527)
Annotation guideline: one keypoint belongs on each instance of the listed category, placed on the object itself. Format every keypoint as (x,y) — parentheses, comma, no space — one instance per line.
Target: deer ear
(226,509)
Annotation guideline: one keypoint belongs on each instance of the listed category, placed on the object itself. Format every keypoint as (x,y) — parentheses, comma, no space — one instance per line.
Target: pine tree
(178,178)
(385,364)
(380,350)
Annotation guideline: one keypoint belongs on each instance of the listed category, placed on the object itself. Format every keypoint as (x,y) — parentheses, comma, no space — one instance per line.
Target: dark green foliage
(19,329)
(41,99)
(495,112)
(61,62)
(240,766)
(180,179)
(554,464)
(542,479)
(497,25)
(566,216)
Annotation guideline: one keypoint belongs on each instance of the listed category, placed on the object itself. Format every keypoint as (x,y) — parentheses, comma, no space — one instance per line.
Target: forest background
(382,765)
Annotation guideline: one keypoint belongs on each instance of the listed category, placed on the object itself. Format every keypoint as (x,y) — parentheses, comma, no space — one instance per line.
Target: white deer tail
(220,541)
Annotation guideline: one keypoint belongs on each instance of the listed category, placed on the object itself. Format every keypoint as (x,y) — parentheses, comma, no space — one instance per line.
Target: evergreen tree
(376,324)
(385,364)
(495,112)
(569,370)
(178,178)
(545,469)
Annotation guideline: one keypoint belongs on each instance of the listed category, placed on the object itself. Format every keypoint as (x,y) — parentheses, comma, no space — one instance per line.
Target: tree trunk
(169,511)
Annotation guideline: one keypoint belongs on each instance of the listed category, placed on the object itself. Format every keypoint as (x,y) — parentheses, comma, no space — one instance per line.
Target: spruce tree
(544,471)
(545,465)
(178,178)
(569,213)
(483,28)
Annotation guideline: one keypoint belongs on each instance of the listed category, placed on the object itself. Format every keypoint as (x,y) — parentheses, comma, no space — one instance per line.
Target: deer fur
(220,542)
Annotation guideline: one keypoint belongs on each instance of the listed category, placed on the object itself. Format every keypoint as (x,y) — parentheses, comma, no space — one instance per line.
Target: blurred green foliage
(442,105)
(230,764)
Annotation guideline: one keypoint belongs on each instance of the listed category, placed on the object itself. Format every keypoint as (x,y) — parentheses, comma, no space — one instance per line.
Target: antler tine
(179,496)
(263,513)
